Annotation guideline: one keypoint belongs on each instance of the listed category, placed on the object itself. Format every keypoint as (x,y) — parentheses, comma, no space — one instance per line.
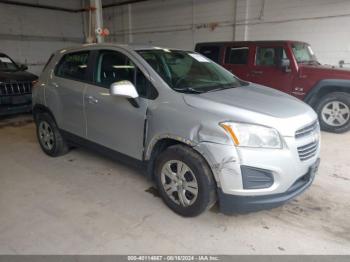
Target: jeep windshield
(6,64)
(304,54)
(189,72)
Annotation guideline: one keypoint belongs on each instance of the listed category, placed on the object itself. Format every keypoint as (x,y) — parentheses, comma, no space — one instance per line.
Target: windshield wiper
(309,62)
(188,90)
(221,88)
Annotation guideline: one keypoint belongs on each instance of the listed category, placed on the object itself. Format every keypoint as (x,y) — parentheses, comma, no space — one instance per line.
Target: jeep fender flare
(324,87)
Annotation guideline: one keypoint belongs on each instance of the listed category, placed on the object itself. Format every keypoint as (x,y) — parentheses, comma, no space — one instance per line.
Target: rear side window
(237,55)
(73,66)
(212,52)
(269,56)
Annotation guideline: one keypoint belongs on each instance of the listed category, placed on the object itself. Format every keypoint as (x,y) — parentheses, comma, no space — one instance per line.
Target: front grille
(308,151)
(306,130)
(15,88)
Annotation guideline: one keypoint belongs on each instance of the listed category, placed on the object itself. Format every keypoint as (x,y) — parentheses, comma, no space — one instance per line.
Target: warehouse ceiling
(106,4)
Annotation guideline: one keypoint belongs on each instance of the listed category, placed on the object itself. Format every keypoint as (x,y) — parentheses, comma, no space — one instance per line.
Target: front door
(266,70)
(115,122)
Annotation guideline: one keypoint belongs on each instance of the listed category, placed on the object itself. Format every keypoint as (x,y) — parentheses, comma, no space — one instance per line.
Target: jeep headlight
(249,135)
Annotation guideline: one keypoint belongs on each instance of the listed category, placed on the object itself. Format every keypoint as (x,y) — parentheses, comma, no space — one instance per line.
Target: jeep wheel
(334,112)
(49,136)
(185,181)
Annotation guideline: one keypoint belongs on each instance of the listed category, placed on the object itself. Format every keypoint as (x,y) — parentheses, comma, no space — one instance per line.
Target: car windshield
(189,72)
(6,64)
(303,53)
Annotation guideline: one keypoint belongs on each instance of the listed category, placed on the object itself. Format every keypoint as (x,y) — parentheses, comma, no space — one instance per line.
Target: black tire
(340,97)
(206,196)
(59,145)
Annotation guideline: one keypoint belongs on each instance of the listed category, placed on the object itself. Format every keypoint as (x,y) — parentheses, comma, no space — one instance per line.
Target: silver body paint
(192,119)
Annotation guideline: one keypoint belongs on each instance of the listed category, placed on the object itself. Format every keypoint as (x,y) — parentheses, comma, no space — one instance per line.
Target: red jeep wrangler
(291,67)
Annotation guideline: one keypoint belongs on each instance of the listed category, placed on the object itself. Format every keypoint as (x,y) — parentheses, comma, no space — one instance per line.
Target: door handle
(92,100)
(255,72)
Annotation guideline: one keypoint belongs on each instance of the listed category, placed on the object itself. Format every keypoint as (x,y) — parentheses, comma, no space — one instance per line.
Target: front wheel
(334,112)
(185,181)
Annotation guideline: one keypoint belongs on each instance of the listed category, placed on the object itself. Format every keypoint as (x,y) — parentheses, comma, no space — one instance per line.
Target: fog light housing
(256,178)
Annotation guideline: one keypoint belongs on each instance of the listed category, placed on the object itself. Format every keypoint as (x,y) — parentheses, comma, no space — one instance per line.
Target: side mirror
(285,65)
(124,88)
(341,63)
(23,67)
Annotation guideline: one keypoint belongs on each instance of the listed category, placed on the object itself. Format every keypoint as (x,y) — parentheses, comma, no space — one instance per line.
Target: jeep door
(64,93)
(117,123)
(266,69)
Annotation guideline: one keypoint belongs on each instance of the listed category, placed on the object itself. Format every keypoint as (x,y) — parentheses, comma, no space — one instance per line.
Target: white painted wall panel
(42,31)
(174,23)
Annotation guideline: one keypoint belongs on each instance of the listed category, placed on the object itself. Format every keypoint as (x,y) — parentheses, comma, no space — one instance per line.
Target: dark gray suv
(15,87)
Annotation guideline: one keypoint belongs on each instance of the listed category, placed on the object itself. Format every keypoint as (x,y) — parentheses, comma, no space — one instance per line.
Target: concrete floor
(82,203)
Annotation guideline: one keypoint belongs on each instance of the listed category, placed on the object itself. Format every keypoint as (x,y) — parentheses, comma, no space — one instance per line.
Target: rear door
(266,70)
(116,122)
(64,94)
(237,60)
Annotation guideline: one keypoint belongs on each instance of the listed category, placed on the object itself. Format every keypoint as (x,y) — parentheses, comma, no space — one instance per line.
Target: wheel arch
(39,108)
(161,144)
(325,87)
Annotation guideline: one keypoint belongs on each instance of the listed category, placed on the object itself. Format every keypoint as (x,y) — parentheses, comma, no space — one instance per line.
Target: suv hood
(255,104)
(17,75)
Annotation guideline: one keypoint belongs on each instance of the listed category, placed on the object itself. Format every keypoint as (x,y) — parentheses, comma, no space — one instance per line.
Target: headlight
(247,135)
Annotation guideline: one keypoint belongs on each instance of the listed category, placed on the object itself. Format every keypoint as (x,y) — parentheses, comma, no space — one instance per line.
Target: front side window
(6,64)
(73,66)
(114,66)
(188,71)
(237,55)
(303,53)
(269,56)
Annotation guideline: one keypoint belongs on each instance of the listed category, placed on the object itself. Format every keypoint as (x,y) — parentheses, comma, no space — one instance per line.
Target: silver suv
(203,134)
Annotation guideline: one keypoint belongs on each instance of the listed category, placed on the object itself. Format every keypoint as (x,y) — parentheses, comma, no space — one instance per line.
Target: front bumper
(230,204)
(285,169)
(15,104)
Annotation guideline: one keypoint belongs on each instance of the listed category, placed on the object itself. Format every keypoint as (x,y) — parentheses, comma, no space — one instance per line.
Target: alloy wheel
(335,113)
(179,183)
(46,135)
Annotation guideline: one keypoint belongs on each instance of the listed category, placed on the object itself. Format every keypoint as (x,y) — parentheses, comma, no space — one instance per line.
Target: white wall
(181,23)
(172,23)
(30,35)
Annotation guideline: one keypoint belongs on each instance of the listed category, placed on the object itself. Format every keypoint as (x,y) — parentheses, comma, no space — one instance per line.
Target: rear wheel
(334,112)
(185,181)
(49,136)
